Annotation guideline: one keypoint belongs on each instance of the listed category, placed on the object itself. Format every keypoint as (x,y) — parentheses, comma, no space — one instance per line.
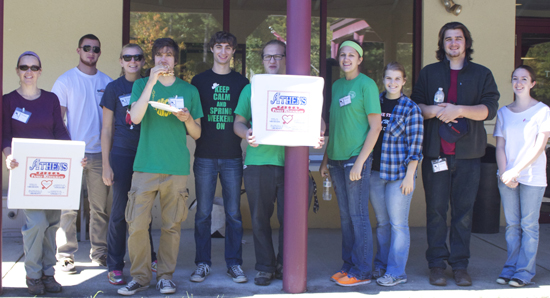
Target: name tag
(176,102)
(124,99)
(21,115)
(344,101)
(439,165)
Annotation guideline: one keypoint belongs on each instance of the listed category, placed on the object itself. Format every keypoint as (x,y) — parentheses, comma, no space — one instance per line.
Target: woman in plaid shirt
(392,180)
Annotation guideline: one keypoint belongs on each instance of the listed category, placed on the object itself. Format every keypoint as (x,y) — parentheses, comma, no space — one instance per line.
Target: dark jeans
(353,202)
(265,186)
(458,185)
(206,172)
(122,163)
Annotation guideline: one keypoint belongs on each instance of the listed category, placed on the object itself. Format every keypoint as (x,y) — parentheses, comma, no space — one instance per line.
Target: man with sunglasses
(80,91)
(218,153)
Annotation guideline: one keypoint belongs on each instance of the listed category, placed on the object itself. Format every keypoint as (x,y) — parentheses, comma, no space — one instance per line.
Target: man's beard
(90,64)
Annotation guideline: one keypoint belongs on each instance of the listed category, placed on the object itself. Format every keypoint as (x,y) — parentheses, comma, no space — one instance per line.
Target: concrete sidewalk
(488,257)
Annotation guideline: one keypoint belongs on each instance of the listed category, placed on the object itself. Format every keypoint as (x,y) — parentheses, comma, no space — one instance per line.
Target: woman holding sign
(119,140)
(355,124)
(29,112)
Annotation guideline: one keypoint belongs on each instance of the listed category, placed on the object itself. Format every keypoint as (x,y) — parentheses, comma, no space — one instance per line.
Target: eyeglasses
(88,48)
(26,67)
(276,57)
(128,58)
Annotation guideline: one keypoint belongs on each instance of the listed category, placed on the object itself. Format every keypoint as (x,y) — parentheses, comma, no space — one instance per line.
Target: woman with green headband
(355,124)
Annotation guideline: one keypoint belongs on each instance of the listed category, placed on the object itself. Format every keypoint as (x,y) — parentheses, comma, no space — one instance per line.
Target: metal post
(1,92)
(298,24)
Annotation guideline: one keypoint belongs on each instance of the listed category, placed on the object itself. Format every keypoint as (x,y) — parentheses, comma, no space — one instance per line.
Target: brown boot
(462,278)
(35,286)
(51,285)
(437,276)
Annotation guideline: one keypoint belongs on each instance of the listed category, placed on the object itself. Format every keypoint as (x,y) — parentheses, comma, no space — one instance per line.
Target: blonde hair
(130,46)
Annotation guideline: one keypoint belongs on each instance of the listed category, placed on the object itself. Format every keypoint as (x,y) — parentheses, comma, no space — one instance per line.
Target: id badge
(439,165)
(125,99)
(21,115)
(176,102)
(344,101)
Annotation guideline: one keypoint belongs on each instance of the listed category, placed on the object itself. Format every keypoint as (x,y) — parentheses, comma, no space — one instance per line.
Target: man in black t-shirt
(218,153)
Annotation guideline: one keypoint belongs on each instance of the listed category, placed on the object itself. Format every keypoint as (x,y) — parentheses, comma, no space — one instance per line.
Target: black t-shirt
(116,98)
(387,108)
(219,97)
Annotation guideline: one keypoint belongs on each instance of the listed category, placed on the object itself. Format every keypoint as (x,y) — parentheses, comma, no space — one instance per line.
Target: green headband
(354,45)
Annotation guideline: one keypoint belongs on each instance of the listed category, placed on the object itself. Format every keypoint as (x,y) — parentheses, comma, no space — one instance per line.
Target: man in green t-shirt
(263,176)
(161,166)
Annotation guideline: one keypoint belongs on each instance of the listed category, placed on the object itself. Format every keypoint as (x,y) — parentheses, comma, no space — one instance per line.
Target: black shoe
(101,261)
(51,285)
(166,286)
(200,273)
(131,288)
(437,277)
(503,280)
(462,278)
(35,286)
(237,274)
(279,272)
(263,278)
(516,282)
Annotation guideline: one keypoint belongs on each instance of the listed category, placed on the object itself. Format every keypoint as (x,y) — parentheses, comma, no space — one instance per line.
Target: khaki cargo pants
(172,190)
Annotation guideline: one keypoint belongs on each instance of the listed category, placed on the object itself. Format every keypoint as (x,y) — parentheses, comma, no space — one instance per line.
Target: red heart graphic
(287,119)
(46,184)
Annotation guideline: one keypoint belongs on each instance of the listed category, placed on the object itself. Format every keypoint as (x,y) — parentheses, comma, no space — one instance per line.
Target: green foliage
(187,30)
(541,65)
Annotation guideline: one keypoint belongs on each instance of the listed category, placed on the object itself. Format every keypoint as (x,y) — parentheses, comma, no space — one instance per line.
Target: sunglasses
(26,67)
(128,58)
(88,48)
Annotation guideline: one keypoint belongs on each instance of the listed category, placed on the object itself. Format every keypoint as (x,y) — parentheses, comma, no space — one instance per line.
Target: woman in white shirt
(522,131)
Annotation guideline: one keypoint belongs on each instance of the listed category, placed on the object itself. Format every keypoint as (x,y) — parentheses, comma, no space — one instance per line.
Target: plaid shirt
(402,140)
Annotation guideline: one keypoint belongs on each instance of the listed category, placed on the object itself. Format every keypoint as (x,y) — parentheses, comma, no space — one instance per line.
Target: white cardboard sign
(286,109)
(49,175)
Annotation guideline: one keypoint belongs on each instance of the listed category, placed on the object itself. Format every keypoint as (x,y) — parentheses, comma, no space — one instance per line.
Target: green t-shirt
(263,154)
(162,147)
(349,124)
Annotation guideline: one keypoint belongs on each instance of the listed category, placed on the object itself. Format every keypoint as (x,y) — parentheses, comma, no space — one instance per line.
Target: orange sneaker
(338,275)
(350,281)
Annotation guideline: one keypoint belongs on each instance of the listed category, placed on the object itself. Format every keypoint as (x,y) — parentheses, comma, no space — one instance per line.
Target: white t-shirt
(81,94)
(520,131)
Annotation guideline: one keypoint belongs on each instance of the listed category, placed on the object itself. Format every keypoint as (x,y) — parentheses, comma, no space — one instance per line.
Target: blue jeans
(265,187)
(391,207)
(122,164)
(353,201)
(521,208)
(206,172)
(458,185)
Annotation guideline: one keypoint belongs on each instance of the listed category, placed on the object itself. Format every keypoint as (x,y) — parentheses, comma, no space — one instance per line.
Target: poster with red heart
(49,175)
(286,109)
